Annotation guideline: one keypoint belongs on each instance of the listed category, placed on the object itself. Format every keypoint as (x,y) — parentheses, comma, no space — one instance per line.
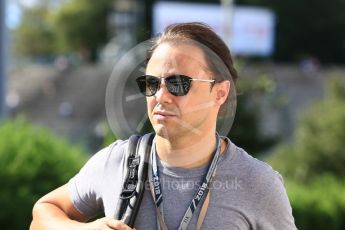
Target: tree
(318,147)
(81,26)
(35,35)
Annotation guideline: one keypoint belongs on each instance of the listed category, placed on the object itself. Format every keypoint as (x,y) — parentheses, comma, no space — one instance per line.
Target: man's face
(175,116)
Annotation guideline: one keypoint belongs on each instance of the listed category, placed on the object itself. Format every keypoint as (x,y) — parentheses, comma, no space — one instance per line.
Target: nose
(163,95)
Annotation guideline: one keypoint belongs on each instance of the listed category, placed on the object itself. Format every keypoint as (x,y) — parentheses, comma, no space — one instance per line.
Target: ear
(222,90)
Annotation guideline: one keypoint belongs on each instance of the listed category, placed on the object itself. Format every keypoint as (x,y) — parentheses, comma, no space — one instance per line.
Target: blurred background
(57,56)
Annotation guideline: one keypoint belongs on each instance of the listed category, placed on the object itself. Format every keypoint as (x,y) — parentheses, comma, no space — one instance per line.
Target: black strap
(135,175)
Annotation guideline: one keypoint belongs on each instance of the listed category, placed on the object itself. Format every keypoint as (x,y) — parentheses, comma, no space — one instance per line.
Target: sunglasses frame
(176,90)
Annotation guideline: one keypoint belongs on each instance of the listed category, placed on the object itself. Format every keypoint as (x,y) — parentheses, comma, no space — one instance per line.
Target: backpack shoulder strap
(135,175)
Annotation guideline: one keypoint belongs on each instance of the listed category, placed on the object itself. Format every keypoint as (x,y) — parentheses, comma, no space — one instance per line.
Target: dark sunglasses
(177,85)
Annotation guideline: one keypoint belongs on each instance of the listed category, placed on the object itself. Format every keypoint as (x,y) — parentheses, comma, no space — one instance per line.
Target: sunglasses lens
(148,85)
(178,85)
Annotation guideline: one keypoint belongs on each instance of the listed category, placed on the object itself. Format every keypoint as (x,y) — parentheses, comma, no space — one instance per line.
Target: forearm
(49,216)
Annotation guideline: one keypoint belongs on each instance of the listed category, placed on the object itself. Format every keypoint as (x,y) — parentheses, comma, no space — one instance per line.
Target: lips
(163,114)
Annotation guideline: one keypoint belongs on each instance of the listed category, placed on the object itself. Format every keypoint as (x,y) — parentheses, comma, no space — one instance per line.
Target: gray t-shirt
(245,192)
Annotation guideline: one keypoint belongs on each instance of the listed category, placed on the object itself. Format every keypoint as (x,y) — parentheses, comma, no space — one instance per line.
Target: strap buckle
(129,188)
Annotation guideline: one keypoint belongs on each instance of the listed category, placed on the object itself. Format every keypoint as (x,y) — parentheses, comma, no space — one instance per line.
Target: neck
(186,152)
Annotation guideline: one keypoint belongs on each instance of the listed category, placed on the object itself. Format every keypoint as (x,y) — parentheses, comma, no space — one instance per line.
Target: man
(188,79)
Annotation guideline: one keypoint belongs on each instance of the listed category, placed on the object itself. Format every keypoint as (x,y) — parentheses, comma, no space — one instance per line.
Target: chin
(163,131)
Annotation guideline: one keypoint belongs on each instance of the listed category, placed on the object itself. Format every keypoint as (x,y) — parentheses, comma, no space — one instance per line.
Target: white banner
(251,28)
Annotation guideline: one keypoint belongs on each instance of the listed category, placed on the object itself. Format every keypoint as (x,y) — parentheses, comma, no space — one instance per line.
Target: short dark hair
(216,51)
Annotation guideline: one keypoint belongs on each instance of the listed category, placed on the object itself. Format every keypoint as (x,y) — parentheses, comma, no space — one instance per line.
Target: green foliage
(318,205)
(318,146)
(32,162)
(78,26)
(81,26)
(314,163)
(35,35)
(336,88)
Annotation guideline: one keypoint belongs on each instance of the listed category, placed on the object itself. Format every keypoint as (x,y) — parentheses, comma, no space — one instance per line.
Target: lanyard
(203,190)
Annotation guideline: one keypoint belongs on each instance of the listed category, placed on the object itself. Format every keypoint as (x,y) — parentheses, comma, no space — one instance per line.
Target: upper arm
(82,197)
(61,198)
(277,211)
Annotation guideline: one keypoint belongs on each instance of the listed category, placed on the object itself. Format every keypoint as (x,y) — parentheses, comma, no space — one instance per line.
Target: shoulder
(258,179)
(262,186)
(112,153)
(237,159)
(108,158)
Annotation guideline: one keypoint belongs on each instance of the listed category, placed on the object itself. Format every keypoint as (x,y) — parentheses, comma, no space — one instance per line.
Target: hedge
(318,205)
(33,161)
